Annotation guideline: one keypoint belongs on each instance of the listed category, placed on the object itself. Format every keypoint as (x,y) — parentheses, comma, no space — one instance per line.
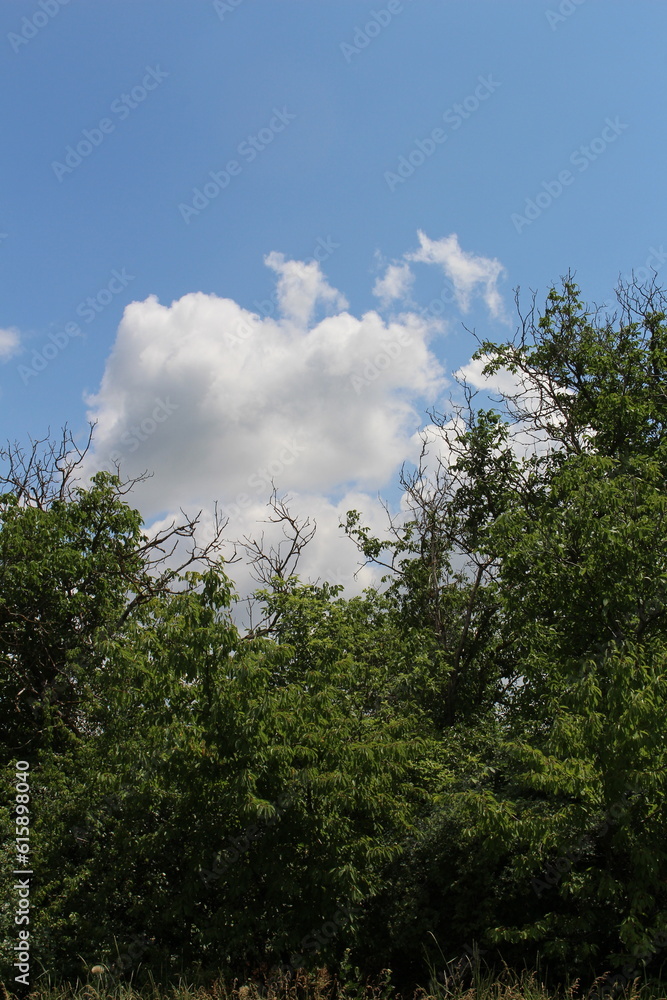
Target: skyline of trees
(472,753)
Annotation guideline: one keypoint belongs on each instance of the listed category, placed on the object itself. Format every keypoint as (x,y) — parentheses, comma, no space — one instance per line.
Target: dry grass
(320,985)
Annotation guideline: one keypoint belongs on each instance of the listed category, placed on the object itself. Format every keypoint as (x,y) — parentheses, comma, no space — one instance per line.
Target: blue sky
(316,105)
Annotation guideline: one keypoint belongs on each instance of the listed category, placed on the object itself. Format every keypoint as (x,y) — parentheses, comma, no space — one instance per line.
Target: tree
(554,508)
(474,753)
(74,566)
(281,756)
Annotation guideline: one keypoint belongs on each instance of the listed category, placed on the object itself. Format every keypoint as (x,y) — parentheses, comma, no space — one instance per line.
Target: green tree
(200,798)
(74,566)
(554,508)
(474,753)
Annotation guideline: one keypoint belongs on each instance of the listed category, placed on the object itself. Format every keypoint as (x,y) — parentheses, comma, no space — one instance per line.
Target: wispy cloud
(10,343)
(469,273)
(396,283)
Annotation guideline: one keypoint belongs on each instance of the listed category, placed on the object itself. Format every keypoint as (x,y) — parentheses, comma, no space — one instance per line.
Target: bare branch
(273,567)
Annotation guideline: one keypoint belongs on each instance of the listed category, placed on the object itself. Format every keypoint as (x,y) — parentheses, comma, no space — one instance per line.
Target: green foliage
(562,548)
(472,755)
(65,573)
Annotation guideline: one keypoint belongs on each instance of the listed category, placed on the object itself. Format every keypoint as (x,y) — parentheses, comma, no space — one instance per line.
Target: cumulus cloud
(10,342)
(395,284)
(502,382)
(525,438)
(330,556)
(507,384)
(468,272)
(301,287)
(220,404)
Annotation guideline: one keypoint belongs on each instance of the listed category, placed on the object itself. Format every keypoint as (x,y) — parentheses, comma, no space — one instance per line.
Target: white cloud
(331,555)
(468,272)
(10,342)
(301,287)
(503,382)
(395,284)
(507,384)
(217,402)
(525,440)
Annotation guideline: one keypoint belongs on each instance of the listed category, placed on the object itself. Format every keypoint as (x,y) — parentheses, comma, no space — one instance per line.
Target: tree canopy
(469,758)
